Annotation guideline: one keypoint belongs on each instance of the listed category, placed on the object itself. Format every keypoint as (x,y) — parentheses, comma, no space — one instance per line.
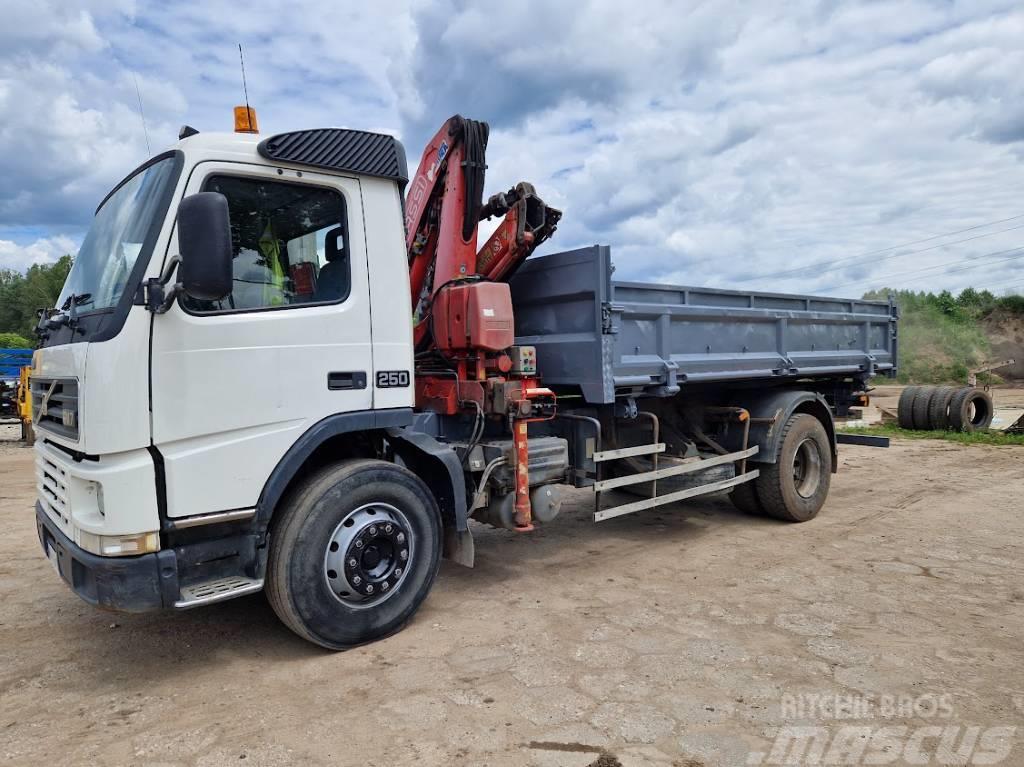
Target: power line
(959,262)
(834,262)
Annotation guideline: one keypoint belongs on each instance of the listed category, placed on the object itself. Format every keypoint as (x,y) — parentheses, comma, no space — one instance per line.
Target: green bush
(1011,304)
(14,341)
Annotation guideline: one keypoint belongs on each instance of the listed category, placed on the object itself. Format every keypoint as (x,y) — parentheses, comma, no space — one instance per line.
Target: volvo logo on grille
(44,403)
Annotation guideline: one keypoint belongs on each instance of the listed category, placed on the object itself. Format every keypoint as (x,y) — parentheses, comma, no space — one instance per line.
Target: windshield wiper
(76,299)
(55,319)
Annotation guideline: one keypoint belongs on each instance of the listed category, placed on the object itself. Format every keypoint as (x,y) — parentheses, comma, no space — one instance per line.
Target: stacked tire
(944,408)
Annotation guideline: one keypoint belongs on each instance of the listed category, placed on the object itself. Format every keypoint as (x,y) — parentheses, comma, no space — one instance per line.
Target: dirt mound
(1005,331)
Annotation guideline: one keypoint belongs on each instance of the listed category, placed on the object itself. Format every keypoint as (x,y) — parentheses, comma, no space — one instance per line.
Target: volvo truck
(283,364)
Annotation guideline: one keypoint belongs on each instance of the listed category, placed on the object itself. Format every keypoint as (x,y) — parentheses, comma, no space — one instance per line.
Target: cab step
(217,590)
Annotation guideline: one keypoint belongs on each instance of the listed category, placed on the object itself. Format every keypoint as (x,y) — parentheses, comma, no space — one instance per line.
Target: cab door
(236,382)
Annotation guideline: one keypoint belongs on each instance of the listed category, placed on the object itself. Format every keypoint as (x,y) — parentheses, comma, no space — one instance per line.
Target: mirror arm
(159,297)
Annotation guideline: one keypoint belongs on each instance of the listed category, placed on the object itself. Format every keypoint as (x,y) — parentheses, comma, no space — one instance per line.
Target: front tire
(795,487)
(354,553)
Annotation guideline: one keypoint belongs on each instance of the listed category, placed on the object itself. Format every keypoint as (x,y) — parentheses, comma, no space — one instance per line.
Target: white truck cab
(162,422)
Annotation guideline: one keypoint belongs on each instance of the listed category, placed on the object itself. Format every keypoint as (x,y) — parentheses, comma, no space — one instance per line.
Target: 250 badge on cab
(392,379)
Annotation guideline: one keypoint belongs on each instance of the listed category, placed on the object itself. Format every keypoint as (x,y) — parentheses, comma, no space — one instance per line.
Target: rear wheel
(744,497)
(795,487)
(354,553)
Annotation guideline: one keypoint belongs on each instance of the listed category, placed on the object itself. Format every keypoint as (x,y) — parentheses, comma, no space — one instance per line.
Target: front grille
(55,405)
(52,487)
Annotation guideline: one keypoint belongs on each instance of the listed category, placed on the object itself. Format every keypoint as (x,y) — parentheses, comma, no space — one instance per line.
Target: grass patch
(964,438)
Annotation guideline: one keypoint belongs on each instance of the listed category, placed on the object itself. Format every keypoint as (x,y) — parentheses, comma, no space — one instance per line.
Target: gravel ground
(685,637)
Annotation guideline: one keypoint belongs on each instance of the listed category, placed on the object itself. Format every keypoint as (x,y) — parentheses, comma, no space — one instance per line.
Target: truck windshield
(119,230)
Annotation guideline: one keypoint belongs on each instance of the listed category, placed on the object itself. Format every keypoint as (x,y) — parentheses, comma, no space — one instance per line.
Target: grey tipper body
(613,337)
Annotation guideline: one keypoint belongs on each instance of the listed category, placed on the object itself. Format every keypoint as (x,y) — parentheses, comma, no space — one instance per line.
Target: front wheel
(795,487)
(354,553)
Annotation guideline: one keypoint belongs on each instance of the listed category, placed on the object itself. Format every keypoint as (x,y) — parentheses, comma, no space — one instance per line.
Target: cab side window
(290,245)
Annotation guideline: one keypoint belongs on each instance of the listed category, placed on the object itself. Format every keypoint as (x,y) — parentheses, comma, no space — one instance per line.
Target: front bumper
(128,584)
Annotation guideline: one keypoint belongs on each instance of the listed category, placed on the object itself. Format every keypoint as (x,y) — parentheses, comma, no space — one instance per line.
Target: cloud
(716,143)
(508,61)
(807,135)
(45,250)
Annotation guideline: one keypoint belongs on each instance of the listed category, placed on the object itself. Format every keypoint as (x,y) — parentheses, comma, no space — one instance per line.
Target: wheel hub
(368,554)
(807,468)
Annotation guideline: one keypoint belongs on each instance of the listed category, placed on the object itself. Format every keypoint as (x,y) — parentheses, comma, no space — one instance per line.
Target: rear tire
(335,576)
(904,410)
(744,497)
(938,409)
(795,487)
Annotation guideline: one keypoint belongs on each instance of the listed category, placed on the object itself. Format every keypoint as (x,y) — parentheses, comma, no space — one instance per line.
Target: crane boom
(442,213)
(462,306)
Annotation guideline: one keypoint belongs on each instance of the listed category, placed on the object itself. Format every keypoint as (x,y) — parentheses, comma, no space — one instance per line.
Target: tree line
(22,295)
(941,335)
(968,306)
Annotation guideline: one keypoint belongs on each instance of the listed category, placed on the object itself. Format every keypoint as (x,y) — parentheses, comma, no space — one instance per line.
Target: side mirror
(204,241)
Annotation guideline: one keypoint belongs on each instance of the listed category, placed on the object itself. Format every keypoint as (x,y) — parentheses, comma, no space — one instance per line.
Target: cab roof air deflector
(340,149)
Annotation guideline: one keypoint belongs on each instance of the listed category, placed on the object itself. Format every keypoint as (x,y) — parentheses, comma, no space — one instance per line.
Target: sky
(813,147)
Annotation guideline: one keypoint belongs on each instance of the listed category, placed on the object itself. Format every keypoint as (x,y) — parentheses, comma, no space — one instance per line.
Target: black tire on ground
(919,408)
(970,410)
(904,412)
(795,487)
(744,497)
(340,513)
(938,408)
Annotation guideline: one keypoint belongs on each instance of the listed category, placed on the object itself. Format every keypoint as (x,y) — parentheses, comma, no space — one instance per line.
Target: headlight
(118,545)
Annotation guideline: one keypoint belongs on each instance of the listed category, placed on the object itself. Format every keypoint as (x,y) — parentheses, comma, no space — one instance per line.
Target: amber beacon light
(245,120)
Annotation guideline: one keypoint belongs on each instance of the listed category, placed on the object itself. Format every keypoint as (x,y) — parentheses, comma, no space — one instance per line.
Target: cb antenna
(145,131)
(245,88)
(248,123)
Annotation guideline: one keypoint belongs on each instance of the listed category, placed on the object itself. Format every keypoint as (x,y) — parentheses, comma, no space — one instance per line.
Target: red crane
(462,308)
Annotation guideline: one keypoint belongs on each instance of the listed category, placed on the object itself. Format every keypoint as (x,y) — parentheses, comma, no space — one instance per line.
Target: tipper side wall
(610,337)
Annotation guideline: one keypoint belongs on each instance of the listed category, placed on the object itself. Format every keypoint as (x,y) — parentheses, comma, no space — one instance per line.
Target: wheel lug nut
(369,588)
(401,537)
(385,586)
(398,571)
(352,562)
(373,530)
(359,544)
(357,580)
(388,529)
(404,554)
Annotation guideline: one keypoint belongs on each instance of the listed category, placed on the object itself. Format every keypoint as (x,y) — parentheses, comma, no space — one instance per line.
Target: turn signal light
(245,120)
(118,545)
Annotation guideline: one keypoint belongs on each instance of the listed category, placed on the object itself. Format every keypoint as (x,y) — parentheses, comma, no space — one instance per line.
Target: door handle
(348,379)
